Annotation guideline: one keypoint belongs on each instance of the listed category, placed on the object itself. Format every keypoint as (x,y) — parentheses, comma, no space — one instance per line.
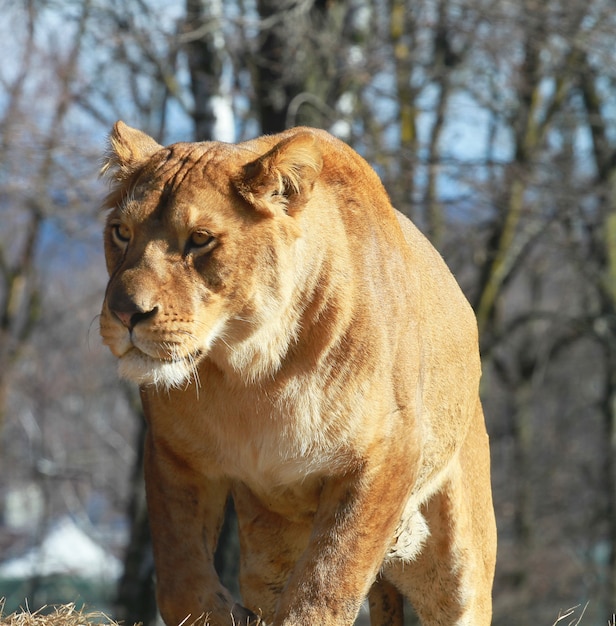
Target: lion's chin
(142,369)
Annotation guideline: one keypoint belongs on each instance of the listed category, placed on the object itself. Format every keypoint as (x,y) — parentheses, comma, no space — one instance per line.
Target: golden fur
(300,346)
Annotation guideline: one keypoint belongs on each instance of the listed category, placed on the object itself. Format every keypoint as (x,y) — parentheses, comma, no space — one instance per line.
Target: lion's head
(204,249)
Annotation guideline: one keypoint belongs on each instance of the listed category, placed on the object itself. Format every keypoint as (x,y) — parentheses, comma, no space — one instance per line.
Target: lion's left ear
(282,178)
(128,149)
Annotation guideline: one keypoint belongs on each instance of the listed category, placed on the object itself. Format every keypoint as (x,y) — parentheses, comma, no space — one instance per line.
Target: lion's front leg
(186,512)
(354,527)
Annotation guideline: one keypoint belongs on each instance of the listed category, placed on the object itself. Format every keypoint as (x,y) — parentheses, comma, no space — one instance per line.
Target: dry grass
(570,614)
(62,615)
(69,615)
(574,617)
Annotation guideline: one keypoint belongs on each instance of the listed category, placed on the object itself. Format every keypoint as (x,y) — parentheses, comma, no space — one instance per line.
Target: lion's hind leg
(450,581)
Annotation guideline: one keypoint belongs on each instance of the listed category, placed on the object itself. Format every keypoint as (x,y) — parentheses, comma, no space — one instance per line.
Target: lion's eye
(200,241)
(121,234)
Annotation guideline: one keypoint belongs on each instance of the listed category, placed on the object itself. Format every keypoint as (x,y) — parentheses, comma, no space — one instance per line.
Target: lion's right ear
(281,179)
(128,149)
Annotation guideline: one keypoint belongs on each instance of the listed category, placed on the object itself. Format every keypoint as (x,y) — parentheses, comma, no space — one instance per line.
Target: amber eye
(200,240)
(121,234)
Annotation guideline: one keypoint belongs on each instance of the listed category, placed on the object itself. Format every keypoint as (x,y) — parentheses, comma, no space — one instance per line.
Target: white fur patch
(144,370)
(138,367)
(410,535)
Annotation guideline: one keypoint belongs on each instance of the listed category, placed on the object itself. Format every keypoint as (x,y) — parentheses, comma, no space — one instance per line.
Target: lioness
(300,346)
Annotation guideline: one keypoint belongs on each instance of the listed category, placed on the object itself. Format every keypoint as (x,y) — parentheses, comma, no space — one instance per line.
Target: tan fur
(300,346)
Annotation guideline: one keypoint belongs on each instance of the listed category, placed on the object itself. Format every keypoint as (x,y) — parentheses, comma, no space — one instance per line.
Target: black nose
(127,310)
(130,319)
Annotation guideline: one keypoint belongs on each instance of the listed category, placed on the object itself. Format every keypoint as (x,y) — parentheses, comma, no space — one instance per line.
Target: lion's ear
(281,179)
(128,149)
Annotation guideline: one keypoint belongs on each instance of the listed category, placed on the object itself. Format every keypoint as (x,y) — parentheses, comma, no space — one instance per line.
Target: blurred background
(493,126)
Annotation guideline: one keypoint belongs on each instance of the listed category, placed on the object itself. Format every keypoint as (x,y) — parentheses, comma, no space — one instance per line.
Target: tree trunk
(273,93)
(402,33)
(135,599)
(605,159)
(204,63)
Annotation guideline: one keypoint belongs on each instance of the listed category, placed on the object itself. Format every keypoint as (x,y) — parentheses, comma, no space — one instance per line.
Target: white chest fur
(284,437)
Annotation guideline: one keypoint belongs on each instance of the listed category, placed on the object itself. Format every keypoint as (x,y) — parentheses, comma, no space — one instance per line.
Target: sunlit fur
(317,362)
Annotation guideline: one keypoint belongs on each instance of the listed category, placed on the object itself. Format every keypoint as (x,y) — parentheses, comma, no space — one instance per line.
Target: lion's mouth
(189,357)
(162,371)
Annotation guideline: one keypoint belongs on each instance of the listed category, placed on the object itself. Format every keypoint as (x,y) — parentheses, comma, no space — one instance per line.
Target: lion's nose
(130,319)
(129,308)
